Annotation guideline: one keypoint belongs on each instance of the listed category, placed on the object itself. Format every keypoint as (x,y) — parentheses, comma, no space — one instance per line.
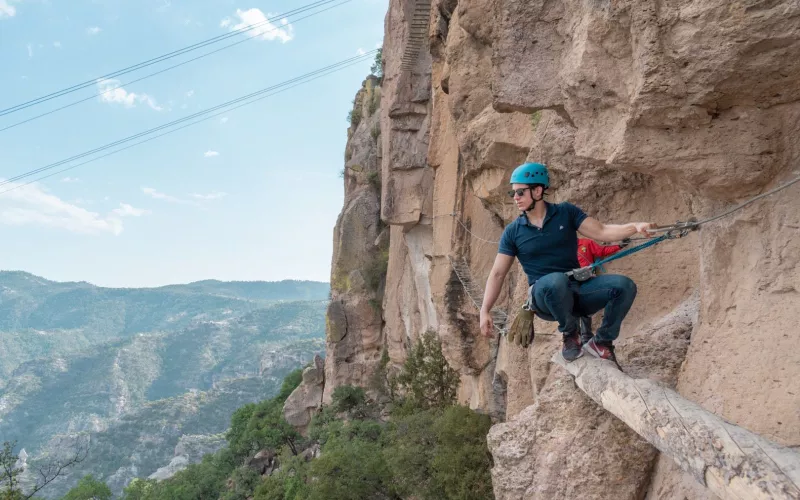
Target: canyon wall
(643,111)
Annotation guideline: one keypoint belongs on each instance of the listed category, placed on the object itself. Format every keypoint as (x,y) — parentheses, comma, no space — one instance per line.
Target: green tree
(377,65)
(139,489)
(46,472)
(9,482)
(461,466)
(288,483)
(427,379)
(88,488)
(241,484)
(237,434)
(290,383)
(350,470)
(411,449)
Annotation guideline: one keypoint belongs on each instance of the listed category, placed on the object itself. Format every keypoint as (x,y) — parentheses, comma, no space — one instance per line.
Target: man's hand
(642,227)
(487,325)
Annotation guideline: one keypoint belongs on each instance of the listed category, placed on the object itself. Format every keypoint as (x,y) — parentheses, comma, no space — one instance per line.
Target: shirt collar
(550,211)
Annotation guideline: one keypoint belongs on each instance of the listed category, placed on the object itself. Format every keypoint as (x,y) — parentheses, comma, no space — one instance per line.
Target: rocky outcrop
(306,399)
(653,111)
(360,245)
(189,450)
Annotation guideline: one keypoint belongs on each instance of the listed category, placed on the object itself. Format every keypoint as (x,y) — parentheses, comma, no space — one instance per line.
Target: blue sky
(250,195)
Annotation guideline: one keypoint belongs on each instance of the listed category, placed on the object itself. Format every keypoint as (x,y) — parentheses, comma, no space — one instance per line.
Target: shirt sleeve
(507,245)
(576,215)
(609,250)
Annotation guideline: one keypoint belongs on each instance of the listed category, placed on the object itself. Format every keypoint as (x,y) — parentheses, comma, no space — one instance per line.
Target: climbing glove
(521,331)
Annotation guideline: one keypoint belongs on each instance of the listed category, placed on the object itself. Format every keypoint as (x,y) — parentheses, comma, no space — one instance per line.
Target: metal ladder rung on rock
(418,31)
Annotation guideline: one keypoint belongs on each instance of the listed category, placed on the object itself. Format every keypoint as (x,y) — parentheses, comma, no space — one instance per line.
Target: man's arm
(502,263)
(595,229)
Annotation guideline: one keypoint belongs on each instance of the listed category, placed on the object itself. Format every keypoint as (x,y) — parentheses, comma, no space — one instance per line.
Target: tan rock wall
(360,243)
(643,110)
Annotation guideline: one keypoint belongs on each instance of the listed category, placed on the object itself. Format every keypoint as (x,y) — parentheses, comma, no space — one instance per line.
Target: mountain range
(137,375)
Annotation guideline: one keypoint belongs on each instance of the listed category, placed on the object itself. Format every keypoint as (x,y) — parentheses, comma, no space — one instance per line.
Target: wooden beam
(729,460)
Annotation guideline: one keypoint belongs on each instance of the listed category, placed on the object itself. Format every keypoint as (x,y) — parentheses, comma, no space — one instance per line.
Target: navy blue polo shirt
(552,248)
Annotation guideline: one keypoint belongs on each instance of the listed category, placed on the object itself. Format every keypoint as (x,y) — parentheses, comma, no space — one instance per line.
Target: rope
(473,234)
(751,200)
(628,251)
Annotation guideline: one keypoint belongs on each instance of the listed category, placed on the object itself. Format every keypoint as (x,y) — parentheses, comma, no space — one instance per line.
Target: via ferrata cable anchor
(679,229)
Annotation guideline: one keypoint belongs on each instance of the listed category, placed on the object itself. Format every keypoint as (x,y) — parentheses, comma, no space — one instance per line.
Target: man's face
(523,195)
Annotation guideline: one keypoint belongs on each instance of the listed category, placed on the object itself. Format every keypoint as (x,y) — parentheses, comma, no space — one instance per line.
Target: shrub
(535,117)
(354,116)
(350,470)
(377,64)
(374,180)
(288,483)
(88,488)
(375,132)
(461,466)
(427,380)
(412,448)
(346,398)
(375,271)
(380,382)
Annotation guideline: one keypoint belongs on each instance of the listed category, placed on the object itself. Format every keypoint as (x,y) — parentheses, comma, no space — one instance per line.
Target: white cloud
(57,44)
(31,205)
(222,24)
(214,195)
(197,199)
(266,30)
(126,210)
(113,93)
(210,153)
(190,93)
(92,30)
(30,47)
(70,179)
(361,51)
(6,9)
(162,196)
(223,120)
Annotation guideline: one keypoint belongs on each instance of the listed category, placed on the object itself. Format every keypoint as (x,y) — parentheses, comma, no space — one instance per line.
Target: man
(544,239)
(588,252)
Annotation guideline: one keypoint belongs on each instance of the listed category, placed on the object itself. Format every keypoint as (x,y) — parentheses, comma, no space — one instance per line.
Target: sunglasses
(518,192)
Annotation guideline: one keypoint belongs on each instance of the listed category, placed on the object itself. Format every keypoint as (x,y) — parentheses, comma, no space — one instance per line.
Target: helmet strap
(535,201)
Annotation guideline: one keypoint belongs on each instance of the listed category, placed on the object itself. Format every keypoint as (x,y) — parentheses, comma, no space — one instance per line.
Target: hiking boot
(586,336)
(602,350)
(572,347)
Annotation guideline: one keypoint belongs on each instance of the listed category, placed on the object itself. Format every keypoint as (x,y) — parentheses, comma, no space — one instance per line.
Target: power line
(269,91)
(168,68)
(158,59)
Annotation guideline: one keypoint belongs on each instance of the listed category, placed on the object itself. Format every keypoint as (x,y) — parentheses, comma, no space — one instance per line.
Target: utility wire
(158,59)
(161,71)
(269,92)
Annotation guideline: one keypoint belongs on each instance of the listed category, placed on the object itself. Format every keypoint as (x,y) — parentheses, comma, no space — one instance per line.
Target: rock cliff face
(643,110)
(360,242)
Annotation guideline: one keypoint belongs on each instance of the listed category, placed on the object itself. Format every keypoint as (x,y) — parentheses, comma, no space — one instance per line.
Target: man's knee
(622,286)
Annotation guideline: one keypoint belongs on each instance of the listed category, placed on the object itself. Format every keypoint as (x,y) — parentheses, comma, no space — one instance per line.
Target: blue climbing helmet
(531,173)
